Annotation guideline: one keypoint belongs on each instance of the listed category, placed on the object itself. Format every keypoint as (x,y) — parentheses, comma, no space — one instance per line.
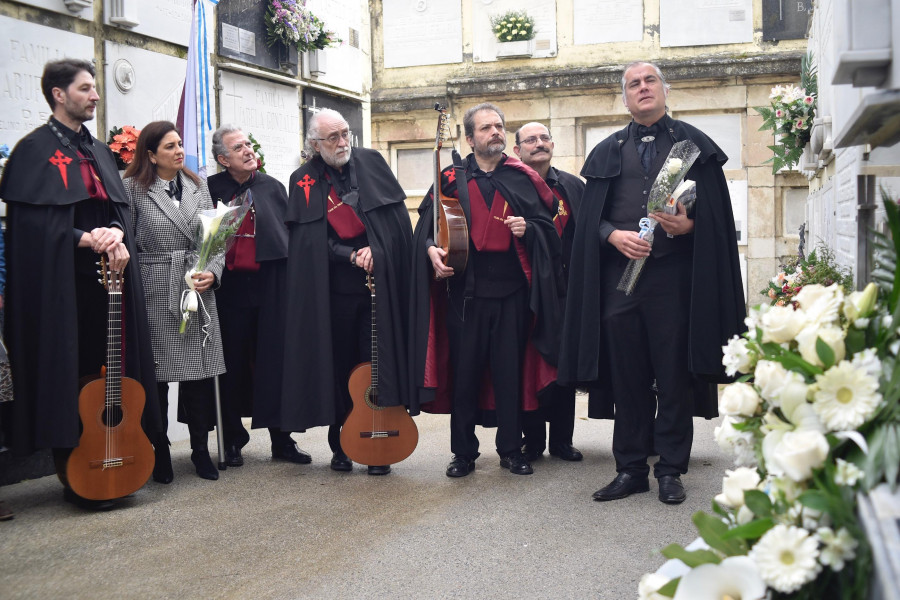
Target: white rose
(831,335)
(821,304)
(739,399)
(736,356)
(674,166)
(797,453)
(781,323)
(734,484)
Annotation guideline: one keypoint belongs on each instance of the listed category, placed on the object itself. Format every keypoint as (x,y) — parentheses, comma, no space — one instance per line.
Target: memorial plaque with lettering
(786,19)
(313,100)
(242,35)
(168,20)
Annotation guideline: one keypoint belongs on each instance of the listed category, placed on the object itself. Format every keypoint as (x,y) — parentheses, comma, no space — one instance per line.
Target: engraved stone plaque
(424,32)
(705,22)
(786,19)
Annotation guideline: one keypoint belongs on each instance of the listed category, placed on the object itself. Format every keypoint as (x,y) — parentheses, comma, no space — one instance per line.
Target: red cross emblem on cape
(451,176)
(306,183)
(61,161)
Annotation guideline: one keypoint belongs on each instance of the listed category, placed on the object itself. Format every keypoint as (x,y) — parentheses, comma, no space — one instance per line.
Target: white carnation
(821,304)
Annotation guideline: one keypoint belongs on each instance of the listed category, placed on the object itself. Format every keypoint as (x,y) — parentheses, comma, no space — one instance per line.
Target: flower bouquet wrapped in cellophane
(678,163)
(215,235)
(812,421)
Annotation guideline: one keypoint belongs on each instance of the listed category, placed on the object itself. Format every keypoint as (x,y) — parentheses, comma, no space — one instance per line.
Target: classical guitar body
(453,233)
(372,434)
(92,471)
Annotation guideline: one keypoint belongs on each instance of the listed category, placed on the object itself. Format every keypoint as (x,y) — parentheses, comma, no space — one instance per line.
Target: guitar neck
(114,350)
(374,341)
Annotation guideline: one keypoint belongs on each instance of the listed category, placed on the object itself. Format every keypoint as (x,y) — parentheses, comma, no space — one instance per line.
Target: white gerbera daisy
(837,548)
(846,397)
(787,558)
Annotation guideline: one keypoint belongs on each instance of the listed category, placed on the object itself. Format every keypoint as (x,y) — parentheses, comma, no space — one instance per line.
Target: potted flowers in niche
(290,24)
(515,32)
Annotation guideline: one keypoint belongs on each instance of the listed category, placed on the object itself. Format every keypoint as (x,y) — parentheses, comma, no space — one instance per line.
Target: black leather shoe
(162,468)
(340,462)
(98,505)
(204,465)
(460,467)
(566,452)
(671,490)
(233,456)
(516,464)
(291,453)
(379,469)
(622,486)
(532,454)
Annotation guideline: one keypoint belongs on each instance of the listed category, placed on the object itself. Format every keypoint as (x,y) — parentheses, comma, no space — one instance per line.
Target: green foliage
(261,158)
(819,267)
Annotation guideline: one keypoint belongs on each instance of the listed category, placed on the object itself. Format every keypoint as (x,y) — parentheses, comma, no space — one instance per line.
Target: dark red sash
(242,254)
(342,218)
(561,218)
(92,181)
(489,233)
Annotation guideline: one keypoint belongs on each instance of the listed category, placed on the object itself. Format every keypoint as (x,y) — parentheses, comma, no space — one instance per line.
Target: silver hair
(312,129)
(218,143)
(659,74)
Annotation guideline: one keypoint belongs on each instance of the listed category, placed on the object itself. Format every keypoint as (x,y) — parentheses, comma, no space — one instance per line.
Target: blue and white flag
(195,111)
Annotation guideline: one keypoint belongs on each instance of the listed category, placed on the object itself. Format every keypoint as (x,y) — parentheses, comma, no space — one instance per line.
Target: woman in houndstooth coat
(166,200)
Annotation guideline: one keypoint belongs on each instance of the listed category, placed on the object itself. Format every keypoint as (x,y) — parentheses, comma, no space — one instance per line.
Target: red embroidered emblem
(61,161)
(451,176)
(306,183)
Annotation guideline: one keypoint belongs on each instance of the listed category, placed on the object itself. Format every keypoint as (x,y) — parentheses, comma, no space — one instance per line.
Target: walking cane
(220,437)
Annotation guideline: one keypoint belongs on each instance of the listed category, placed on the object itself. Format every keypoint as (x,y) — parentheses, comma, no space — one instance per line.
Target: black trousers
(490,334)
(351,334)
(558,409)
(646,337)
(196,408)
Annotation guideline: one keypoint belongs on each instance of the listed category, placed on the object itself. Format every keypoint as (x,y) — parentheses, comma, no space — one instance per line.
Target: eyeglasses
(334,137)
(533,140)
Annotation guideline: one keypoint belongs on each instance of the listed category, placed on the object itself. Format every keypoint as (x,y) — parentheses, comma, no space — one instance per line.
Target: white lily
(734,577)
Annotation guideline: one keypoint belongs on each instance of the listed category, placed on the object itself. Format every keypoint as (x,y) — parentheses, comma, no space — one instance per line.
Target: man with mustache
(483,339)
(248,299)
(688,302)
(346,217)
(67,208)
(534,146)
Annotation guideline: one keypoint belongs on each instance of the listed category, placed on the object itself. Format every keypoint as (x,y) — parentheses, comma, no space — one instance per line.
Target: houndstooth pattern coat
(164,234)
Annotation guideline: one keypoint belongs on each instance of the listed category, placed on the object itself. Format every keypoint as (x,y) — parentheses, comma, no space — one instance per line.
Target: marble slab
(705,22)
(606,21)
(423,32)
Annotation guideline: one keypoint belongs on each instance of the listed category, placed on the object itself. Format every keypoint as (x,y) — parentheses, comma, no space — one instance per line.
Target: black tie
(646,146)
(172,190)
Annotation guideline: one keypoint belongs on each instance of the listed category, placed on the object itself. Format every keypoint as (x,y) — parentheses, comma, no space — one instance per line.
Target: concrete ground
(279,530)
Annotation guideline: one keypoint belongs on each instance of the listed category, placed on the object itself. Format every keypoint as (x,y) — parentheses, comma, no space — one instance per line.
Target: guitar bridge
(110,463)
(379,434)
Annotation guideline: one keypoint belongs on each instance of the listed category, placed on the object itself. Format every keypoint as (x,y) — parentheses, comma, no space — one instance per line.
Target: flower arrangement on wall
(812,420)
(291,23)
(260,156)
(123,142)
(513,26)
(820,267)
(790,117)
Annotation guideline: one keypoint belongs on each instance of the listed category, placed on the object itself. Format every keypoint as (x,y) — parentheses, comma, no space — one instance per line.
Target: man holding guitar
(346,218)
(476,333)
(66,209)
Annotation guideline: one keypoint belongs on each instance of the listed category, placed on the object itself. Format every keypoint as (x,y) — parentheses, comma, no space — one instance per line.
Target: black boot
(162,469)
(204,465)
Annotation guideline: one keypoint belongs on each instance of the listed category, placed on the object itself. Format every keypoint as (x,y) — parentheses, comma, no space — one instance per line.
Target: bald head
(534,146)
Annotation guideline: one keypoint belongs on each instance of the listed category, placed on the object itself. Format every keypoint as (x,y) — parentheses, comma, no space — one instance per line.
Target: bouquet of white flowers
(678,163)
(215,234)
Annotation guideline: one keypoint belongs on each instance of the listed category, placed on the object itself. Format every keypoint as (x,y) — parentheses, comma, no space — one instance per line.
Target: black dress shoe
(340,462)
(671,490)
(162,468)
(532,454)
(204,465)
(460,467)
(379,469)
(291,453)
(516,464)
(97,505)
(566,452)
(622,486)
(233,456)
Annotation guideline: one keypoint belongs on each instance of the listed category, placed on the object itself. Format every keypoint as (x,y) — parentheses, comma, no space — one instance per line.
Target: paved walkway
(278,530)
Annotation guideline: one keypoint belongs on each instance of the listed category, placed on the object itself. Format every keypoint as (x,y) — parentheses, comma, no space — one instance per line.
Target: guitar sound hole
(112,416)
(372,399)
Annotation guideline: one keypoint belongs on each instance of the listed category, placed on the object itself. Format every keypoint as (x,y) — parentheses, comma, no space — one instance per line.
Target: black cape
(717,293)
(270,202)
(309,394)
(571,188)
(41,321)
(528,197)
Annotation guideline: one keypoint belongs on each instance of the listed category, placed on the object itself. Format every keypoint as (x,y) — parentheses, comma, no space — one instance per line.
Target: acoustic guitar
(114,458)
(374,434)
(451,232)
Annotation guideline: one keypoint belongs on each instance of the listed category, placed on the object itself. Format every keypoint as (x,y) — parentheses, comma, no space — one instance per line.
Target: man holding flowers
(688,302)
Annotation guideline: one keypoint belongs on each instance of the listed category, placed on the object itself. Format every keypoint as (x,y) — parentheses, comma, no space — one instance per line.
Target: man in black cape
(66,207)
(534,146)
(250,299)
(488,338)
(686,305)
(346,217)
